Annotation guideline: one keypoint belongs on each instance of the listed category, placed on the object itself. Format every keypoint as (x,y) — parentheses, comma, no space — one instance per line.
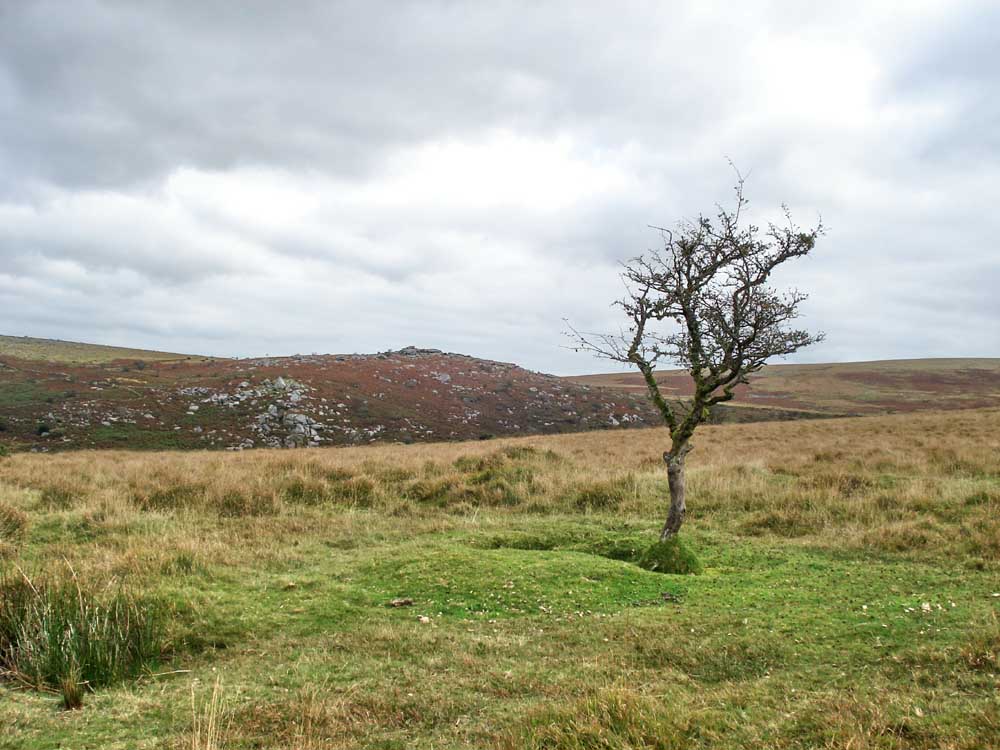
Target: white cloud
(360,176)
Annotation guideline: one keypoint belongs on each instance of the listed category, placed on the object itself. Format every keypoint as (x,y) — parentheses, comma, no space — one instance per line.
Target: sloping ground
(903,385)
(54,350)
(405,396)
(409,395)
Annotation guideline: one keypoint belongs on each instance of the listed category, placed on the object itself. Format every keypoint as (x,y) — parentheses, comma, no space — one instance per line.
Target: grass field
(849,597)
(53,350)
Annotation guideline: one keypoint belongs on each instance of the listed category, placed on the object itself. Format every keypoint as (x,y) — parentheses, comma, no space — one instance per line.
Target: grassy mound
(670,556)
(458,580)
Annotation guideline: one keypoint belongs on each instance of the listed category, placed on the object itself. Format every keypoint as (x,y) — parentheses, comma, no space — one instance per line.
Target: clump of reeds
(57,634)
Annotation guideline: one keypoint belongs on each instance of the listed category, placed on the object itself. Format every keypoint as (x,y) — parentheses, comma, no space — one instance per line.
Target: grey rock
(413,351)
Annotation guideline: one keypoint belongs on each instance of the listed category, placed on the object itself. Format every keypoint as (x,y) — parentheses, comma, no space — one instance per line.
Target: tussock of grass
(982,652)
(441,492)
(984,497)
(848,721)
(172,497)
(716,659)
(334,487)
(55,633)
(479,463)
(252,502)
(57,497)
(500,486)
(505,478)
(605,495)
(306,491)
(357,491)
(615,719)
(13,524)
(905,536)
(71,689)
(780,522)
(182,563)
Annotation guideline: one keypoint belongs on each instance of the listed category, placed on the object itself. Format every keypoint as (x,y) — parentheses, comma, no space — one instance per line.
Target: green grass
(819,618)
(13,395)
(753,649)
(134,437)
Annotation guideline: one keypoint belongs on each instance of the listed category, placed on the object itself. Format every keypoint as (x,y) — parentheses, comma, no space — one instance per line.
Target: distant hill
(55,395)
(850,388)
(54,350)
(64,395)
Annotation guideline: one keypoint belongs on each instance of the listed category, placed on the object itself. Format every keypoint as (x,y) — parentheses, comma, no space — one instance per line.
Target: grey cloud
(110,92)
(259,177)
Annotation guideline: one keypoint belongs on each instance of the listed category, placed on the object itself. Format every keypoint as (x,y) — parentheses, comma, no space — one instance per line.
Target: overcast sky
(261,177)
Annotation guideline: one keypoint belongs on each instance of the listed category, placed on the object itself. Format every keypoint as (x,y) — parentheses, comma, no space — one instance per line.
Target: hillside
(404,396)
(63,395)
(55,350)
(849,388)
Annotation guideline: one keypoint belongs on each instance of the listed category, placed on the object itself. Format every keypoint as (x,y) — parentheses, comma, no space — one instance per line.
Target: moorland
(57,395)
(844,388)
(486,593)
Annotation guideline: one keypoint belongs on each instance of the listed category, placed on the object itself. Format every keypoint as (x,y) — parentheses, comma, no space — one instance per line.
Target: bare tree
(703,302)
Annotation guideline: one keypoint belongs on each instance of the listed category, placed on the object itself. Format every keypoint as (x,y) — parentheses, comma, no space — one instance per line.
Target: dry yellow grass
(54,350)
(280,564)
(900,483)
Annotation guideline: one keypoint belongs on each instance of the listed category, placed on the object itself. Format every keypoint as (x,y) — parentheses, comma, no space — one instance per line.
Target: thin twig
(165,674)
(26,579)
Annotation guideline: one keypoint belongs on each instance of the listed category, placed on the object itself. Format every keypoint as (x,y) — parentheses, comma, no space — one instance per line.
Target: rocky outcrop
(283,423)
(409,395)
(413,351)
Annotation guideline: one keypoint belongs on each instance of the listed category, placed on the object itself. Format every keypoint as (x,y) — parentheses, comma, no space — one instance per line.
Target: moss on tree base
(670,556)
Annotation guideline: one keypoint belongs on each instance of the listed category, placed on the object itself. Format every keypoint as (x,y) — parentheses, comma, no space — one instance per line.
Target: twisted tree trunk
(675,477)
